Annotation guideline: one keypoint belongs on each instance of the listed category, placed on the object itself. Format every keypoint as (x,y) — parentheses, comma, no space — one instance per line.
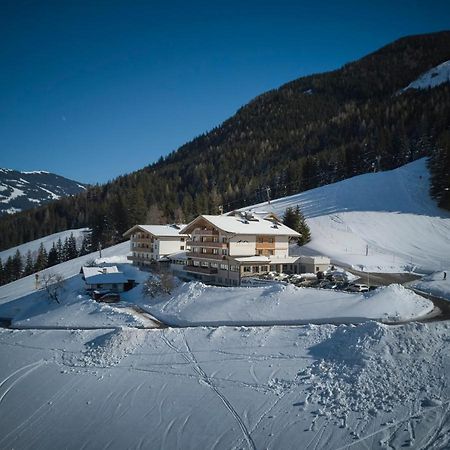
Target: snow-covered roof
(177,255)
(103,275)
(107,278)
(239,224)
(261,258)
(158,230)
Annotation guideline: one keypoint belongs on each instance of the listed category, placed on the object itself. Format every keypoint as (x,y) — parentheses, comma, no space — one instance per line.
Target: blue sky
(94,89)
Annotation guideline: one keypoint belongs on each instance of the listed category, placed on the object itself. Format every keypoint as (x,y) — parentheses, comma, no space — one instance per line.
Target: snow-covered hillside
(389,214)
(25,190)
(431,78)
(47,241)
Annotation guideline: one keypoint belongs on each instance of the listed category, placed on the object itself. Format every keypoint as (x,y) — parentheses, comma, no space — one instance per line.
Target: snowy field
(390,214)
(369,386)
(47,241)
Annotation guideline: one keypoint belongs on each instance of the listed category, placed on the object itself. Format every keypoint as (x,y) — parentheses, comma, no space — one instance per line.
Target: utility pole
(268,194)
(100,249)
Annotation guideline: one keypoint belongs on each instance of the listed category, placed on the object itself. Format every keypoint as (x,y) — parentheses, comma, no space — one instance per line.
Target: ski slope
(47,241)
(431,78)
(388,214)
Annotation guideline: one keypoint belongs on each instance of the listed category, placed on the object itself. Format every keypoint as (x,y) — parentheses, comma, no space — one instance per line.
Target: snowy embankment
(434,284)
(47,241)
(195,304)
(321,387)
(389,215)
(431,78)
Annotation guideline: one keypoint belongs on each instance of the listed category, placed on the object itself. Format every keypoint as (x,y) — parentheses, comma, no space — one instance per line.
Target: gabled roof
(171,230)
(103,275)
(240,224)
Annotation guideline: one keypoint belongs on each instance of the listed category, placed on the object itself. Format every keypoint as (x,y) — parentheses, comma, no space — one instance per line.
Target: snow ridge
(431,78)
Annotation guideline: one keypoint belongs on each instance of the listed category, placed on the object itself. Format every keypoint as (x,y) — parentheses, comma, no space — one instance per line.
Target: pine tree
(60,251)
(53,256)
(72,251)
(85,245)
(2,274)
(29,264)
(294,219)
(17,265)
(42,259)
(303,229)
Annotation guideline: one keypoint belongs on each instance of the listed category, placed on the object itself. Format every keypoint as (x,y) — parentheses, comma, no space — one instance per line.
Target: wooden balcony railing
(199,232)
(208,244)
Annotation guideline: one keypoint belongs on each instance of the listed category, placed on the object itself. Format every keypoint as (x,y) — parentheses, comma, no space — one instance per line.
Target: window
(224,251)
(181,247)
(224,266)
(204,250)
(271,240)
(182,239)
(247,269)
(233,268)
(259,252)
(215,239)
(215,265)
(224,240)
(204,264)
(216,251)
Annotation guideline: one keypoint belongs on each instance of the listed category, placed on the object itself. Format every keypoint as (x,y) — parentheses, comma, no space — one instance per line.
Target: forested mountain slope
(309,132)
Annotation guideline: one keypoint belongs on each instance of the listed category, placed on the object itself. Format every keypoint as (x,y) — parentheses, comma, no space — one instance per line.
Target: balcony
(205,255)
(147,258)
(202,270)
(209,244)
(265,245)
(199,232)
(142,240)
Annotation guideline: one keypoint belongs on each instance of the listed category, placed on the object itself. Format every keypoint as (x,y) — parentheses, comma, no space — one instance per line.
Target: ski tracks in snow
(22,372)
(204,379)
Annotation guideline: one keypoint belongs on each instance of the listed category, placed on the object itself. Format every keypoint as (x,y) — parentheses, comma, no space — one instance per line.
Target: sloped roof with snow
(239,224)
(171,230)
(103,275)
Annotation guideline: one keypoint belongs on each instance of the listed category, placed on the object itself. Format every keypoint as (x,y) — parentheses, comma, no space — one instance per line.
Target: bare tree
(158,285)
(54,285)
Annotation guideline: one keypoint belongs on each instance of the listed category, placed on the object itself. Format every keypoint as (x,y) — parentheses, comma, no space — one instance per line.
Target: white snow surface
(431,78)
(197,304)
(389,213)
(318,387)
(33,246)
(435,284)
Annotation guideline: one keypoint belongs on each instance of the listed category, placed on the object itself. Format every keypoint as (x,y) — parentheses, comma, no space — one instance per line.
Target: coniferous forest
(309,132)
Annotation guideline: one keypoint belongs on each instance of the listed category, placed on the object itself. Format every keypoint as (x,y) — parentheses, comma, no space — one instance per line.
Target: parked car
(110,297)
(356,287)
